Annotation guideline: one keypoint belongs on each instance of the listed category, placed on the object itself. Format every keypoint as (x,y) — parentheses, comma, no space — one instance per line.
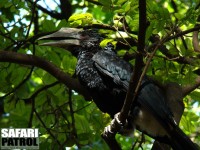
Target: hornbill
(106,76)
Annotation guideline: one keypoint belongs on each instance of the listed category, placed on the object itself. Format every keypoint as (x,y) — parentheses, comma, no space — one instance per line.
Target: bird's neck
(84,55)
(85,58)
(84,61)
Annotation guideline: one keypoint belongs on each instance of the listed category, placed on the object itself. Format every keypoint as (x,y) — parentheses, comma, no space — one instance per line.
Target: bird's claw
(115,126)
(116,117)
(107,131)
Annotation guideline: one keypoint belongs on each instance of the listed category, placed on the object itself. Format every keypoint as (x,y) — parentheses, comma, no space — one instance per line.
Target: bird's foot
(115,126)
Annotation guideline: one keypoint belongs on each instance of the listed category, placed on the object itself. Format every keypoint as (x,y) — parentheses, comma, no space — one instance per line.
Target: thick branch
(63,15)
(195,41)
(131,94)
(13,57)
(66,9)
(138,62)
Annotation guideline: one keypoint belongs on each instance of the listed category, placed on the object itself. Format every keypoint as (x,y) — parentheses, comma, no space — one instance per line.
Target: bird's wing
(108,64)
(152,98)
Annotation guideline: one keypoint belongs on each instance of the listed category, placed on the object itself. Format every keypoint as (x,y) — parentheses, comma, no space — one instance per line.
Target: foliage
(31,97)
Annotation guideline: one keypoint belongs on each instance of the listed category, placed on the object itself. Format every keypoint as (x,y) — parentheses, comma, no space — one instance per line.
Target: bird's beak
(63,38)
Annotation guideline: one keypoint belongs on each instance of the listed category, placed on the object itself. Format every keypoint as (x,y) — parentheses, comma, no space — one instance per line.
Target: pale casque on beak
(63,38)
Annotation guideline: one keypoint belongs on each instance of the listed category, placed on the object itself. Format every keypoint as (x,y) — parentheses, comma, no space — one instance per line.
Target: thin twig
(48,130)
(74,132)
(42,89)
(20,84)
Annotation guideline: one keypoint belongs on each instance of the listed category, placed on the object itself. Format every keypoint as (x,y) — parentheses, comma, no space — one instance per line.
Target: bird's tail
(180,141)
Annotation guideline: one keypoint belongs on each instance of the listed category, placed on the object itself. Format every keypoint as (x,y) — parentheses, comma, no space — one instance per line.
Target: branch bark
(195,41)
(63,77)
(134,82)
(138,63)
(65,13)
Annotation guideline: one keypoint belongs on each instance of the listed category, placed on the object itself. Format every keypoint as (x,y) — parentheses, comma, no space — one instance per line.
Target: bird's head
(74,39)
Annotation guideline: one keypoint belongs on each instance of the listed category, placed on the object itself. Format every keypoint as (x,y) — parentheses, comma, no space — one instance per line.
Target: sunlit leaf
(81,19)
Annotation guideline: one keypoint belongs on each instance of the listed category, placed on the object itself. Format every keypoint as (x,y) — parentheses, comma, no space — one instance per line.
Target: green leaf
(105,41)
(48,25)
(120,2)
(23,91)
(81,19)
(54,57)
(106,3)
(127,6)
(195,95)
(82,126)
(173,51)
(62,23)
(69,63)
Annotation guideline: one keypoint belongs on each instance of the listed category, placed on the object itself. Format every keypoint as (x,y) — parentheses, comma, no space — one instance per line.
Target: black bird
(106,76)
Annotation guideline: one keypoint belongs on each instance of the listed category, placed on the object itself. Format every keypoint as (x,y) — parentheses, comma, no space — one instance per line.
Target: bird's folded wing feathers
(112,66)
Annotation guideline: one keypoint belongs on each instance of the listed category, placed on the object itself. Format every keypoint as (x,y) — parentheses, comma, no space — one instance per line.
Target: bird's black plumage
(108,96)
(106,76)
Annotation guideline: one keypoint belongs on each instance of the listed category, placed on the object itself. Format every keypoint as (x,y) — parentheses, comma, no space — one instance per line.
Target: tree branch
(71,110)
(182,33)
(130,97)
(32,100)
(40,90)
(48,130)
(165,51)
(195,41)
(111,141)
(63,77)
(63,15)
(66,9)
